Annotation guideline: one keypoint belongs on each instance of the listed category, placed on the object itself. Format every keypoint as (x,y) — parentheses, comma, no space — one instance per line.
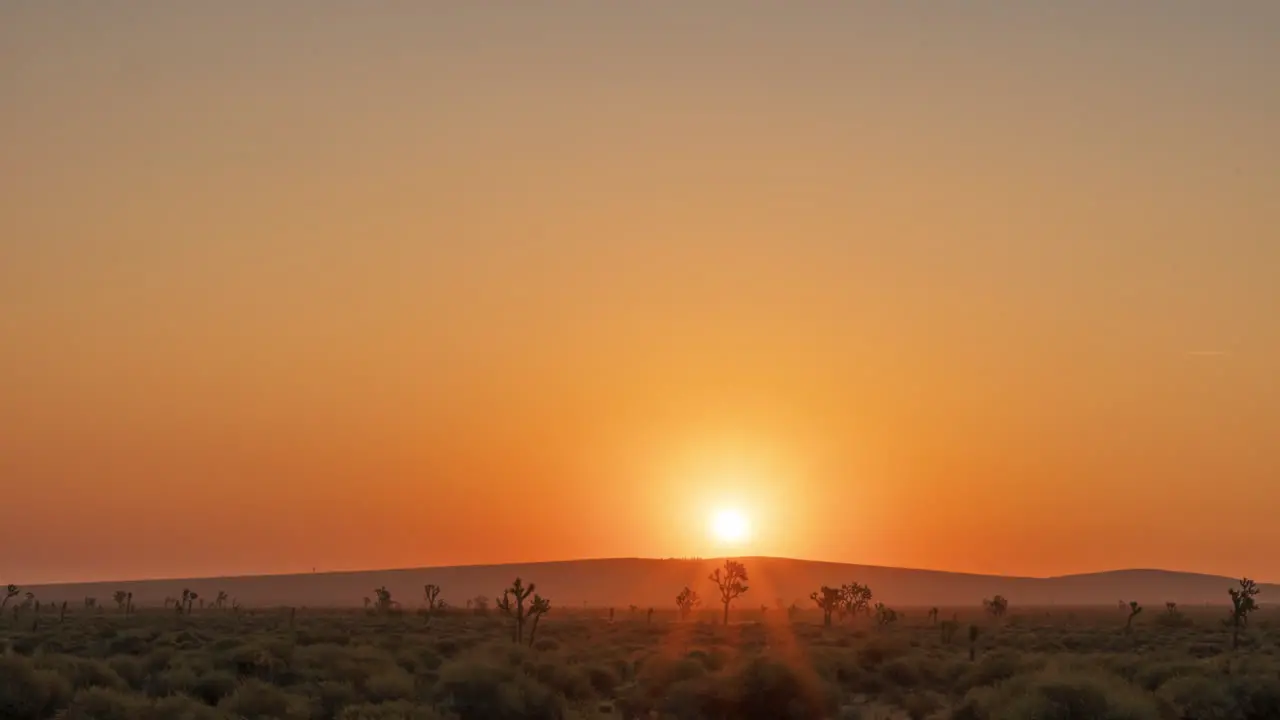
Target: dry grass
(1043,664)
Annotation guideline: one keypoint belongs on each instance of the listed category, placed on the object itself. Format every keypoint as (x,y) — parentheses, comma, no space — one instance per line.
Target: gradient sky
(976,286)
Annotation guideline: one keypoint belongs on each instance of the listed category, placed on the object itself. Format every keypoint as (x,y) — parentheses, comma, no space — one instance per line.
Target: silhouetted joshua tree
(431,593)
(220,600)
(384,602)
(10,593)
(128,603)
(687,601)
(885,615)
(996,606)
(512,604)
(188,598)
(828,600)
(1134,610)
(854,598)
(649,620)
(90,603)
(948,629)
(119,596)
(539,607)
(732,582)
(1242,604)
(973,642)
(933,615)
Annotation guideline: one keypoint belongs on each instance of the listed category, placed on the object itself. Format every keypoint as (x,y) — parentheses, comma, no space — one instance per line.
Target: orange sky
(299,285)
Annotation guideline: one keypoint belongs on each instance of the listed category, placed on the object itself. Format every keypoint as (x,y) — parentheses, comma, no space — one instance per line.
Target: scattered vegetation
(688,601)
(156,663)
(732,583)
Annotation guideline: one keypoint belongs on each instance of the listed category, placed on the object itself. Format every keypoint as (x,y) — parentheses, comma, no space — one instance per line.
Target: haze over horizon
(925,285)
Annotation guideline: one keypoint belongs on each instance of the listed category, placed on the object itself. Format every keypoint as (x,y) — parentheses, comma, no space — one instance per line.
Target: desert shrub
(480,689)
(329,697)
(179,680)
(130,644)
(448,647)
(995,667)
(768,688)
(1056,694)
(901,673)
(97,703)
(922,705)
(1153,675)
(28,693)
(1257,696)
(131,669)
(390,684)
(180,707)
(1197,696)
(571,682)
(603,679)
(389,711)
(256,700)
(83,672)
(211,687)
(879,650)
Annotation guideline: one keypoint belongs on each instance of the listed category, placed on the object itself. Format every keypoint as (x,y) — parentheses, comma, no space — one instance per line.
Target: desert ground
(399,657)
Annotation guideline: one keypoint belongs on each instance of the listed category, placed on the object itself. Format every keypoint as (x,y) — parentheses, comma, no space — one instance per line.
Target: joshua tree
(973,642)
(649,619)
(1171,608)
(512,604)
(90,603)
(948,629)
(537,609)
(384,602)
(996,606)
(1134,609)
(732,581)
(62,615)
(119,596)
(1242,603)
(367,603)
(220,600)
(128,603)
(687,601)
(854,598)
(885,615)
(828,600)
(933,615)
(191,598)
(10,593)
(431,593)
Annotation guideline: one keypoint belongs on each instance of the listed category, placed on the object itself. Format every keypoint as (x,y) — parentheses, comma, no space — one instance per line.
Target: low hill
(651,582)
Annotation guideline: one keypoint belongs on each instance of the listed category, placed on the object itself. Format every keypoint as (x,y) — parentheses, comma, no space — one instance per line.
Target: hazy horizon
(748,558)
(935,285)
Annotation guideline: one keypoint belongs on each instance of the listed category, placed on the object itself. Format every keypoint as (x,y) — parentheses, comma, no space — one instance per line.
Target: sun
(730,527)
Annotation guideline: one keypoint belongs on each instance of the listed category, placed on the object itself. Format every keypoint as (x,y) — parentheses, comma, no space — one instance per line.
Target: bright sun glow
(730,526)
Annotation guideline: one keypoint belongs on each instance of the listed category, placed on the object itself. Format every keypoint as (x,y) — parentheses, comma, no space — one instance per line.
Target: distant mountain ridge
(619,582)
